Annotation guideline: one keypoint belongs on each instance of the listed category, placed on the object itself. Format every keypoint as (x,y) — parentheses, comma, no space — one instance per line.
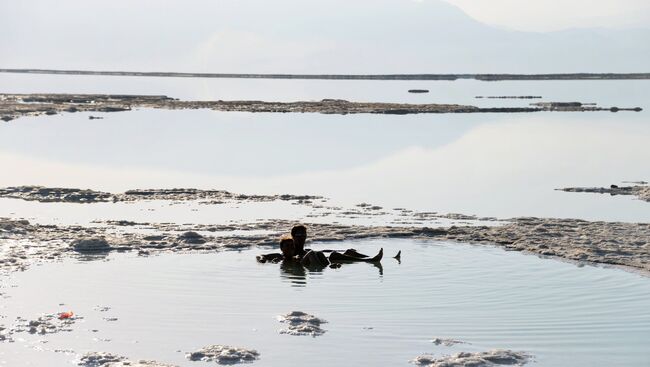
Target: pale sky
(327,36)
(551,15)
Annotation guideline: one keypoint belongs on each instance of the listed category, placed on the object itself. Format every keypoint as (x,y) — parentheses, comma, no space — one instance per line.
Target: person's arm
(269,257)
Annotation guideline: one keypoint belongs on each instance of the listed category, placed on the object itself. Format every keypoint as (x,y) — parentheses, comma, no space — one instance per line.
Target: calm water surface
(564,314)
(500,165)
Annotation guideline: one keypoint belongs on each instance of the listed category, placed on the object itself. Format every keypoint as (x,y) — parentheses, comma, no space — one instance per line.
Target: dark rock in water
(91,245)
(418,91)
(95,117)
(6,118)
(192,238)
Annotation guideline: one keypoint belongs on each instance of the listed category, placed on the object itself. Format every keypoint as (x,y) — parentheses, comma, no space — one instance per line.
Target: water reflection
(296,274)
(293,272)
(489,165)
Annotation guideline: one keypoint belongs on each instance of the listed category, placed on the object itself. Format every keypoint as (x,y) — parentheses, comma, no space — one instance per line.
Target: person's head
(287,247)
(299,234)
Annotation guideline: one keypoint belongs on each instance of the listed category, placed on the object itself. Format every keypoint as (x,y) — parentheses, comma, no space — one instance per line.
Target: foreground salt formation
(100,359)
(224,354)
(492,358)
(300,323)
(44,324)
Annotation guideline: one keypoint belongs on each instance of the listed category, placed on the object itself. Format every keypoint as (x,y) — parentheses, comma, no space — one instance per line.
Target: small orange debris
(66,315)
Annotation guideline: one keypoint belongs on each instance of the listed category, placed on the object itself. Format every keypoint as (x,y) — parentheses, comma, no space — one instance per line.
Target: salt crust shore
(13,106)
(23,243)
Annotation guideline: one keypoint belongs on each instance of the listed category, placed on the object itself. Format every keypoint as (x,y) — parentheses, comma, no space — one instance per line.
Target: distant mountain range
(302,37)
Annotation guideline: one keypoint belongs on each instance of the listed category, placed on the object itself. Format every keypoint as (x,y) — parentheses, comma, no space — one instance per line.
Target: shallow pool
(562,313)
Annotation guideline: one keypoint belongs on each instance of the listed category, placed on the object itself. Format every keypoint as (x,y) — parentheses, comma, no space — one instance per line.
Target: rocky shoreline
(13,106)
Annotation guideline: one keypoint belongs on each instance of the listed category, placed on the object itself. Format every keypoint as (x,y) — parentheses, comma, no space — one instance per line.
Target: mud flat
(13,106)
(484,77)
(641,192)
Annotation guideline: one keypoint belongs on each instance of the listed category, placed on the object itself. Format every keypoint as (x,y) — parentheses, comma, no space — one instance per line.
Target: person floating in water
(293,249)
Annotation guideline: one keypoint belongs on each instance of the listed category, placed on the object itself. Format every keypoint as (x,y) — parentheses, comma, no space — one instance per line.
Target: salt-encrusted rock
(97,359)
(44,324)
(91,245)
(223,354)
(100,359)
(301,323)
(492,358)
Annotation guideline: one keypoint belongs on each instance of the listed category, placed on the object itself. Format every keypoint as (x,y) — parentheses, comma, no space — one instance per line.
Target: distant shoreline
(448,77)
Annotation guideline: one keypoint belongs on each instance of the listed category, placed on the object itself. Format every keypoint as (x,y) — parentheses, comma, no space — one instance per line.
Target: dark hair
(286,246)
(298,228)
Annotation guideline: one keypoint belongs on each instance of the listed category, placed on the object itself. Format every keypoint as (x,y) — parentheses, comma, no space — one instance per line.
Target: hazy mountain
(335,36)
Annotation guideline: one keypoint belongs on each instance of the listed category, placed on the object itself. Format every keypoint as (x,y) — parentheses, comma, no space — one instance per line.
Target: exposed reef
(13,106)
(642,192)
